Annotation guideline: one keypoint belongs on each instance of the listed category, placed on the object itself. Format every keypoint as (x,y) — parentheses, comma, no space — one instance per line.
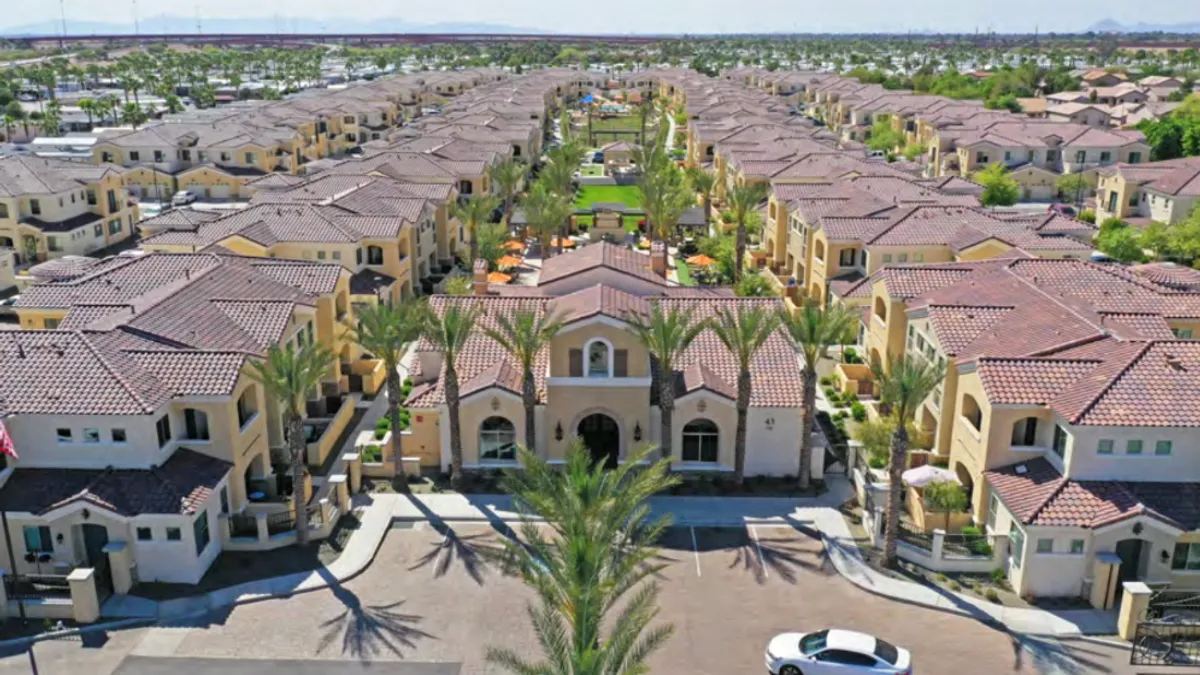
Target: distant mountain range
(1110,26)
(179,24)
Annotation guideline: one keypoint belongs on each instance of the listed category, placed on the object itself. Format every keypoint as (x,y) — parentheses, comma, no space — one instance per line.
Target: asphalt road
(170,665)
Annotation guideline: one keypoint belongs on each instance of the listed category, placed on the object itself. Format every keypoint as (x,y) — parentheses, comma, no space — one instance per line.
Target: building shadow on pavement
(367,631)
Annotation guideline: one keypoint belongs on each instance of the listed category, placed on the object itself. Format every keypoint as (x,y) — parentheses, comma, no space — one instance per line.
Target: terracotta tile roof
(1038,495)
(1012,381)
(598,299)
(958,326)
(193,373)
(602,254)
(181,486)
(1169,274)
(1137,326)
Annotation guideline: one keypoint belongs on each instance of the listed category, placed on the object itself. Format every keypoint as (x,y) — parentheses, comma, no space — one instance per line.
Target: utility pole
(62,10)
(137,31)
(199,30)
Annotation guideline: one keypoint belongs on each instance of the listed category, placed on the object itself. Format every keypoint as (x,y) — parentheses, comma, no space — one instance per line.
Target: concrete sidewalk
(820,514)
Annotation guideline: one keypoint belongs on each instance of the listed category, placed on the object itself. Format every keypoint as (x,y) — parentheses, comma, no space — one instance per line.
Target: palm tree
(133,114)
(743,333)
(288,375)
(903,385)
(448,332)
(600,551)
(546,212)
(644,109)
(473,211)
(507,176)
(385,330)
(665,197)
(524,333)
(666,333)
(88,106)
(814,331)
(743,199)
(703,182)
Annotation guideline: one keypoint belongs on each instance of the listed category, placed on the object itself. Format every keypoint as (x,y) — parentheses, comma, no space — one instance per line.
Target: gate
(1169,633)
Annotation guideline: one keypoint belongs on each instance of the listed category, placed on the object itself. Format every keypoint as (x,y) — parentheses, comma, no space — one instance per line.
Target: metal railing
(967,545)
(243,525)
(1169,634)
(36,586)
(912,535)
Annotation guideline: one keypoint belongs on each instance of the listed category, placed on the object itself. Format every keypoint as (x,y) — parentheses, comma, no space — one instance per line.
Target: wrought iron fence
(967,545)
(278,523)
(911,534)
(37,586)
(243,525)
(1169,634)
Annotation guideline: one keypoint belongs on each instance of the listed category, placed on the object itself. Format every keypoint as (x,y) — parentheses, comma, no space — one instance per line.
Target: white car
(183,197)
(835,652)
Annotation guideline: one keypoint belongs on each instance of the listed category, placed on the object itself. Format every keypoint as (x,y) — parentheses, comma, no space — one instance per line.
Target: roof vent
(1174,363)
(1021,469)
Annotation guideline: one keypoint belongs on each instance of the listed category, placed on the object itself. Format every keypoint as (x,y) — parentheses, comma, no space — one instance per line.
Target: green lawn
(629,195)
(683,273)
(620,123)
(591,170)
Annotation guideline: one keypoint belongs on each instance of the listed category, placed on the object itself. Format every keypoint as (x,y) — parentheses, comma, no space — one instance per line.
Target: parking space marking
(762,563)
(441,547)
(695,551)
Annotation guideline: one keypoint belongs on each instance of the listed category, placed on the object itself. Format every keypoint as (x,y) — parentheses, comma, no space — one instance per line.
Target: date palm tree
(703,182)
(742,200)
(385,330)
(546,212)
(743,332)
(903,385)
(666,333)
(524,333)
(593,575)
(473,211)
(448,332)
(814,330)
(507,176)
(287,375)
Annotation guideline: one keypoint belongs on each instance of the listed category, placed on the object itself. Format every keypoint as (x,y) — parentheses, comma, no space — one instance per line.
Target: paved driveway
(431,604)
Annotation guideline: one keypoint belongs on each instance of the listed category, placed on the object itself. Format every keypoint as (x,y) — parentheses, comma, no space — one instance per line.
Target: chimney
(479,281)
(658,258)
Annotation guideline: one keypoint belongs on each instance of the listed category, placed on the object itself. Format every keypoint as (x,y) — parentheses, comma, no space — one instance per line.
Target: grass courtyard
(629,195)
(609,129)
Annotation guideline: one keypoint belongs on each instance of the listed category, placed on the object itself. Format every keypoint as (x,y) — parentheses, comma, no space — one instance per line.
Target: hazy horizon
(638,16)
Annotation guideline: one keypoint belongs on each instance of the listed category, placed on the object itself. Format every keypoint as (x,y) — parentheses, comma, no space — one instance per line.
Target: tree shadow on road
(1052,656)
(474,552)
(366,631)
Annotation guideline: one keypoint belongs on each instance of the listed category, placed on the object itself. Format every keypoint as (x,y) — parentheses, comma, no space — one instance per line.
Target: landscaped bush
(858,411)
(372,453)
(827,381)
(384,424)
(830,393)
(976,541)
(992,595)
(850,355)
(999,575)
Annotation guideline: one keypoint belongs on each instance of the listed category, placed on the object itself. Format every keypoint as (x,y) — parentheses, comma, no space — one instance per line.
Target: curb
(69,632)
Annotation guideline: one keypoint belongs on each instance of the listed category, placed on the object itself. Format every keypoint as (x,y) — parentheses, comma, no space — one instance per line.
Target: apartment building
(1165,192)
(51,208)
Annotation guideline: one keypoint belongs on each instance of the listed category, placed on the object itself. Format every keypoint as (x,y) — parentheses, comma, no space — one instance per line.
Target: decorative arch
(819,250)
(598,358)
(971,412)
(881,309)
(1024,432)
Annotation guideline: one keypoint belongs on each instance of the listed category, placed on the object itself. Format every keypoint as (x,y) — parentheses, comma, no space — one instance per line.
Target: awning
(924,475)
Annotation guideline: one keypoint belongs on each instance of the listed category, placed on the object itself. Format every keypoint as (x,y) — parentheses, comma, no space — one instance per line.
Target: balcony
(855,378)
(322,430)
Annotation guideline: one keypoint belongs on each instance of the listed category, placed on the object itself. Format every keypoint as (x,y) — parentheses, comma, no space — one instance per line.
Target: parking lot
(432,598)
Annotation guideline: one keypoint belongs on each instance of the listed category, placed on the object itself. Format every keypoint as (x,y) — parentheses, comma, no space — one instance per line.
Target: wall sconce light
(87,514)
(1137,528)
(637,431)
(58,538)
(558,432)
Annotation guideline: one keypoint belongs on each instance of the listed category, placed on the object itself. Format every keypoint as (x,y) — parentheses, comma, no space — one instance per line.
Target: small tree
(946,496)
(1073,186)
(999,188)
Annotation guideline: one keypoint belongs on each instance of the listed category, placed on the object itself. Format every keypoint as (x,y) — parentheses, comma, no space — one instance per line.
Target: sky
(652,16)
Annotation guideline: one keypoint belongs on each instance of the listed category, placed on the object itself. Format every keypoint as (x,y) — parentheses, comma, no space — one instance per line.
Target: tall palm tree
(473,211)
(600,552)
(385,330)
(133,114)
(743,332)
(743,199)
(814,331)
(703,182)
(903,385)
(448,332)
(666,333)
(665,198)
(524,333)
(507,176)
(288,375)
(546,212)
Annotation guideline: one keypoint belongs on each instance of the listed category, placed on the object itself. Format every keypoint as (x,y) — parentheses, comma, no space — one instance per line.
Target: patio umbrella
(513,245)
(566,243)
(508,261)
(498,278)
(701,260)
(924,475)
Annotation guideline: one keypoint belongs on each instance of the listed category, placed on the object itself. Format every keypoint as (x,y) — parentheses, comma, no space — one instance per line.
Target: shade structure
(498,278)
(513,245)
(701,260)
(926,474)
(508,261)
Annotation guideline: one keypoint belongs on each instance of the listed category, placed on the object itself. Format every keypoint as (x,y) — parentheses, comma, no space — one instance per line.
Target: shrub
(942,578)
(850,355)
(830,393)
(827,381)
(877,461)
(992,595)
(372,453)
(955,586)
(858,411)
(999,575)
(1087,216)
(971,531)
(382,425)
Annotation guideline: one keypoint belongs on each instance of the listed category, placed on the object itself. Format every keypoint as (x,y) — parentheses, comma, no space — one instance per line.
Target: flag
(6,444)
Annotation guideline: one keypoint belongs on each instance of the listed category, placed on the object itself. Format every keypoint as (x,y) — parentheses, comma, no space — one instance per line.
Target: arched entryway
(602,436)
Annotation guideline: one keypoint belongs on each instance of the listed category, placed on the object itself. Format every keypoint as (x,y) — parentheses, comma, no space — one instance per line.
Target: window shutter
(620,363)
(576,363)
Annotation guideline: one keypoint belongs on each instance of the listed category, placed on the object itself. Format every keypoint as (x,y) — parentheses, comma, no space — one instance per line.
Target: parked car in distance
(835,652)
(183,197)
(1064,209)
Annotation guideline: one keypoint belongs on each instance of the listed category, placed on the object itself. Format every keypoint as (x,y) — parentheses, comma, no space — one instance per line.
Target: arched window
(881,309)
(247,405)
(1024,432)
(819,250)
(497,440)
(971,412)
(516,151)
(465,187)
(599,359)
(374,255)
(701,441)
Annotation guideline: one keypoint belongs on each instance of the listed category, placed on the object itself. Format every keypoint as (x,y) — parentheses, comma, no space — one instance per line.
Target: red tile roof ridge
(1113,380)
(117,375)
(1059,484)
(1100,329)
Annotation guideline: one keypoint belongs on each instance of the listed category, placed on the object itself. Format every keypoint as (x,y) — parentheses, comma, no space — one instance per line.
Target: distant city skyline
(633,16)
